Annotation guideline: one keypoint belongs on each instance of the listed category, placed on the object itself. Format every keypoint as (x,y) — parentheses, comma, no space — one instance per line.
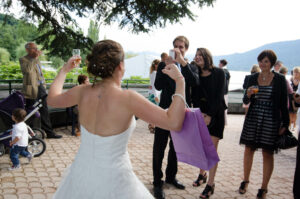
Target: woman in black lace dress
(267,118)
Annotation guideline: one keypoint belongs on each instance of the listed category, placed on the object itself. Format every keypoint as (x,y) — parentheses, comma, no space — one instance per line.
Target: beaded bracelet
(179,95)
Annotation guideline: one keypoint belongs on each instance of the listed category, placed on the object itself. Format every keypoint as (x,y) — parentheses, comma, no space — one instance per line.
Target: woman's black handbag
(287,140)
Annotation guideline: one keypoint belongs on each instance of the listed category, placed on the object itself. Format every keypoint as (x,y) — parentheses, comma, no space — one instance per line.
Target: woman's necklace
(265,77)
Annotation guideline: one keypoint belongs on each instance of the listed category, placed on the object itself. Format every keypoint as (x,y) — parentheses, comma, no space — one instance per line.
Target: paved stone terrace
(40,178)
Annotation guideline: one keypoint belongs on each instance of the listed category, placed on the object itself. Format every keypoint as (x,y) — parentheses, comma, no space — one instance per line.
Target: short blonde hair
(283,70)
(255,69)
(296,69)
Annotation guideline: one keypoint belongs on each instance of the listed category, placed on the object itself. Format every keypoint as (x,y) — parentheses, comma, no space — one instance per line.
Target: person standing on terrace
(296,190)
(208,94)
(167,86)
(223,65)
(34,85)
(267,118)
(102,167)
(153,93)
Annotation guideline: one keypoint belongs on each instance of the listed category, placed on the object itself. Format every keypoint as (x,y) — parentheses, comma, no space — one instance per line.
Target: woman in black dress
(208,94)
(267,118)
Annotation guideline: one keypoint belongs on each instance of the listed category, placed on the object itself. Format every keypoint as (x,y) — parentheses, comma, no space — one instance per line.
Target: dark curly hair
(105,57)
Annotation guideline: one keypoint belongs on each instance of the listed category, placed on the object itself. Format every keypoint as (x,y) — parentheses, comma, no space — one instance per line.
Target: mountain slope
(287,51)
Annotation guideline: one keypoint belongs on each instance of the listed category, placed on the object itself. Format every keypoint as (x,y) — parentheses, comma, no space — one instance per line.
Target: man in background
(167,87)
(277,66)
(223,65)
(34,85)
(163,57)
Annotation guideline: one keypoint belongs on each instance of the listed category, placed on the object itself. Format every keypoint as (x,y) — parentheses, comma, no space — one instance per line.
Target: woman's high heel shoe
(200,180)
(243,187)
(208,191)
(261,194)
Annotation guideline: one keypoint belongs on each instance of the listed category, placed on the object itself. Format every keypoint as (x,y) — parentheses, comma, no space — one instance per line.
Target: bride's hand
(172,71)
(70,64)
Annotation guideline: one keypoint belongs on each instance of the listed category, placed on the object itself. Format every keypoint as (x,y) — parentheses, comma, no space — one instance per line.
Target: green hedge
(13,71)
(136,80)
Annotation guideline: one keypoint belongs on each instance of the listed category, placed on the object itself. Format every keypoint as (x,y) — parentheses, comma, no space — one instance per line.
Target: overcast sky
(230,26)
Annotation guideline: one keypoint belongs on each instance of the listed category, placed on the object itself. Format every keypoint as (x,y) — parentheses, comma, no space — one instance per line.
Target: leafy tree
(20,51)
(130,55)
(56,62)
(4,56)
(138,15)
(93,31)
(14,33)
(8,40)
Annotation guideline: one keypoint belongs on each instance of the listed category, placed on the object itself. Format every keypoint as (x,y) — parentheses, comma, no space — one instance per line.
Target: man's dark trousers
(160,143)
(45,118)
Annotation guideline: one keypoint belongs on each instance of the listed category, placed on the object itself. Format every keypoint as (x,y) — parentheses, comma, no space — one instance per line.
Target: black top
(295,87)
(212,87)
(227,78)
(246,80)
(279,99)
(207,86)
(167,86)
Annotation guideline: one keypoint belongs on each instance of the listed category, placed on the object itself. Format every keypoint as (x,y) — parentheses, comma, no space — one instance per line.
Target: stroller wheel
(39,133)
(36,146)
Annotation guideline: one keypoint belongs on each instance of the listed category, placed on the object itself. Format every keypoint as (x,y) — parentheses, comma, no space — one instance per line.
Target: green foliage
(56,62)
(130,55)
(4,56)
(20,51)
(75,72)
(13,71)
(10,71)
(93,31)
(14,33)
(136,80)
(49,75)
(138,16)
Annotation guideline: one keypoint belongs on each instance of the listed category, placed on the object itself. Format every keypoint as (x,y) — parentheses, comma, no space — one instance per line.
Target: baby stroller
(16,100)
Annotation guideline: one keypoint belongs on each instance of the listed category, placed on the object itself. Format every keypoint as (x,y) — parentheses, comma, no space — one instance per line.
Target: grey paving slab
(40,178)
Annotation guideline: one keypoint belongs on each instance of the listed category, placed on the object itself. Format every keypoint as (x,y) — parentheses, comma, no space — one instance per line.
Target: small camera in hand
(172,54)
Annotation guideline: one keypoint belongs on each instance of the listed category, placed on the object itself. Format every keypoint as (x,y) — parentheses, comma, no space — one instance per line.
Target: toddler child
(19,138)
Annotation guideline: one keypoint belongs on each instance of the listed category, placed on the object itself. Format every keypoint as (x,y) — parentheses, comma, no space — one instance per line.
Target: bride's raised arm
(170,119)
(56,97)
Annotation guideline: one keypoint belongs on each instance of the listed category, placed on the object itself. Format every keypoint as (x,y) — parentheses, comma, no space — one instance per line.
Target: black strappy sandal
(261,194)
(200,180)
(243,187)
(208,191)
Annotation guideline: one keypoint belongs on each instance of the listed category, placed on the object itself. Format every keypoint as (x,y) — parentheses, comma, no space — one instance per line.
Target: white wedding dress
(102,170)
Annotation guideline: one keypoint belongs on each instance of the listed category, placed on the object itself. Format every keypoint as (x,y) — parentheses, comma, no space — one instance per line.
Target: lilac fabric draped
(193,144)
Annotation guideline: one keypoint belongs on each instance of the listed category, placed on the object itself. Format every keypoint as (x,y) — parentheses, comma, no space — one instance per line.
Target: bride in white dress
(102,167)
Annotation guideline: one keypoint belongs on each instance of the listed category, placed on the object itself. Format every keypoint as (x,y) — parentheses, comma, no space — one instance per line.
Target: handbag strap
(179,95)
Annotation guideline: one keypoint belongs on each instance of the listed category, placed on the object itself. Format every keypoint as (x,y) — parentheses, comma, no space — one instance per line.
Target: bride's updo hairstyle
(106,55)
